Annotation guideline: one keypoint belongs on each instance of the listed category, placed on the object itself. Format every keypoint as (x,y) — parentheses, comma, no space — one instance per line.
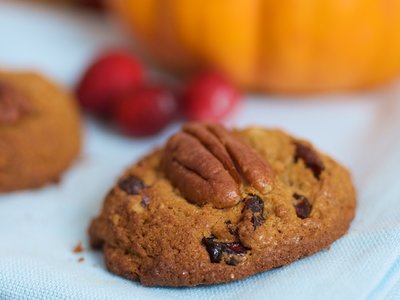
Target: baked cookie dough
(216,205)
(39,131)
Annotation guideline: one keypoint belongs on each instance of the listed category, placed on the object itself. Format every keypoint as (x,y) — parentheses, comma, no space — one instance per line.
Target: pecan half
(13,105)
(208,164)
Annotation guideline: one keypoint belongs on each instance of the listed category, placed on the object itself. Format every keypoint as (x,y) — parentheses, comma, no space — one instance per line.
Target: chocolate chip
(214,249)
(145,201)
(232,261)
(232,229)
(217,249)
(131,185)
(255,204)
(302,206)
(310,158)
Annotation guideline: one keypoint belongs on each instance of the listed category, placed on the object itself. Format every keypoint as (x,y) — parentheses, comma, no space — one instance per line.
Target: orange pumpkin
(270,45)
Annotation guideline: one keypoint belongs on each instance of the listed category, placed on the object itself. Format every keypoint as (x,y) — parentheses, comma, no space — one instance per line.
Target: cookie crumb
(78,248)
(81,259)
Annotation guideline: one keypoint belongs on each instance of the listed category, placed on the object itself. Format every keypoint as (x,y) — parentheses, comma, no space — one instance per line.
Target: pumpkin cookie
(39,131)
(216,205)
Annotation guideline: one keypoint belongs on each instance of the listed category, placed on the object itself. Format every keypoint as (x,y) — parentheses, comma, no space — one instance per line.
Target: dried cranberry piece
(303,206)
(234,248)
(310,158)
(217,249)
(131,185)
(255,204)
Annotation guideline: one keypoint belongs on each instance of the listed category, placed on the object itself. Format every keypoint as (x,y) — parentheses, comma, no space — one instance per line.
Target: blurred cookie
(40,131)
(215,205)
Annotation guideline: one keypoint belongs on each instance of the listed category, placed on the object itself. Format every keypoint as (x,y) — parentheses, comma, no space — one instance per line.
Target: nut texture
(209,164)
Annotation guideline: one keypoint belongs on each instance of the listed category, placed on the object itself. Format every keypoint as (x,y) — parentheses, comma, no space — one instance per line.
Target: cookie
(216,205)
(39,131)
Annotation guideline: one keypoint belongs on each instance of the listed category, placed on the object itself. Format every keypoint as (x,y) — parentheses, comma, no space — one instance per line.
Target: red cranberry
(209,97)
(110,75)
(145,111)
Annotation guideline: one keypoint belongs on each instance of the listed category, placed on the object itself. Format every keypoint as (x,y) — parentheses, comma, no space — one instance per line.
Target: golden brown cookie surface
(39,131)
(214,206)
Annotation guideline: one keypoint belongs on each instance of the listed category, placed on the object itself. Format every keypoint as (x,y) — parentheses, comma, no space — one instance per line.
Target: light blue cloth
(38,229)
